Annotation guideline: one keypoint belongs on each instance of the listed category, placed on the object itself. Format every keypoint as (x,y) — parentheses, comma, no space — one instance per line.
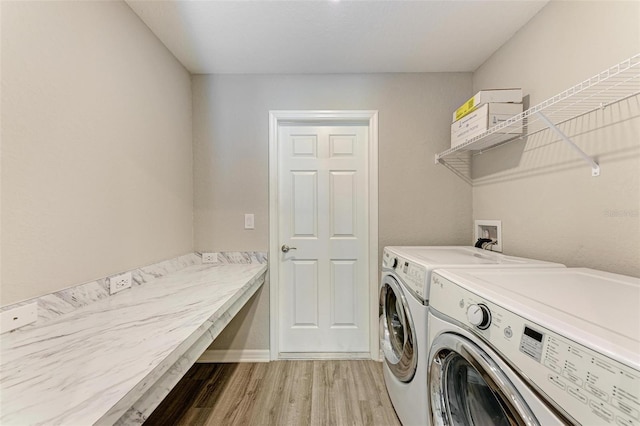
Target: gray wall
(99,174)
(96,146)
(419,203)
(550,206)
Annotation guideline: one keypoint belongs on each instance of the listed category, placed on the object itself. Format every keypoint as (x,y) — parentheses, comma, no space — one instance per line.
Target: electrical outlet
(249,221)
(209,258)
(18,317)
(119,282)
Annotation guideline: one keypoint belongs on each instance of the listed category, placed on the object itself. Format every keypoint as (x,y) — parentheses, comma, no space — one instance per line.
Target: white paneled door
(323,227)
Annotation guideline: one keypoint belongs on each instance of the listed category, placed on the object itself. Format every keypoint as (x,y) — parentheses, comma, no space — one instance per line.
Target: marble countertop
(89,366)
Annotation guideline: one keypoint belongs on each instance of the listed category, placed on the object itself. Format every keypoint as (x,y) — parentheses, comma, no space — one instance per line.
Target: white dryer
(534,347)
(406,272)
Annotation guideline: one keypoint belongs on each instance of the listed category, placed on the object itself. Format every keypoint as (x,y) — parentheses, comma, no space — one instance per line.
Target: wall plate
(119,282)
(209,257)
(18,317)
(249,221)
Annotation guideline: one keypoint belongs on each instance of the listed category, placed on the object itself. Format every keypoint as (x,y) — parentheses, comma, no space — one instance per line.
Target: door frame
(368,118)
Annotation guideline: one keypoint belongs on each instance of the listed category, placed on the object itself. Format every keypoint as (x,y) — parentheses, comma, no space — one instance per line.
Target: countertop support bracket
(595,168)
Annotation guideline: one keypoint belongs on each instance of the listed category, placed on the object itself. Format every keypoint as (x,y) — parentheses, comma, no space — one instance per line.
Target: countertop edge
(148,382)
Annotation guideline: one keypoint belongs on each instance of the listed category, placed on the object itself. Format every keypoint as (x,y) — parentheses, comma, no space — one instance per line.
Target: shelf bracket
(595,168)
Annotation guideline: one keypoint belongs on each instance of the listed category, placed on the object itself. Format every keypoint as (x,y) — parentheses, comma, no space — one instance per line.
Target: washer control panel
(591,387)
(413,275)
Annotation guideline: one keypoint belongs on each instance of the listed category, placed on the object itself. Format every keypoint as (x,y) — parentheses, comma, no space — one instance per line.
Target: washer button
(575,392)
(556,381)
(508,332)
(623,421)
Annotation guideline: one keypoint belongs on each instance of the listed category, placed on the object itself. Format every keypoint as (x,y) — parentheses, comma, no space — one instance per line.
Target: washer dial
(479,315)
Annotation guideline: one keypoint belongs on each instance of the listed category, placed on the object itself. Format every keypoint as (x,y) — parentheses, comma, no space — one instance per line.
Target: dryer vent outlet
(490,229)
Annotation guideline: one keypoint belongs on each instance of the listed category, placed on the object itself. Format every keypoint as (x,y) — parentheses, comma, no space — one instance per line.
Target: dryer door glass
(397,333)
(468,388)
(471,401)
(396,321)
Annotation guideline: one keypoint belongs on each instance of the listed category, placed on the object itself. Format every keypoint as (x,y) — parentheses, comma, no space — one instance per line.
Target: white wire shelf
(613,85)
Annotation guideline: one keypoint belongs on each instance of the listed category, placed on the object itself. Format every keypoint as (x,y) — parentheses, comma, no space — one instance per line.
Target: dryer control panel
(591,387)
(413,276)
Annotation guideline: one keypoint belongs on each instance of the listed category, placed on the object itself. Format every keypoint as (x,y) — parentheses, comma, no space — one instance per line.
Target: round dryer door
(468,388)
(397,332)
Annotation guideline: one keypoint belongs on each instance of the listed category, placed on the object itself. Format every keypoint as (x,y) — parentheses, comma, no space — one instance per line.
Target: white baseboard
(325,355)
(235,355)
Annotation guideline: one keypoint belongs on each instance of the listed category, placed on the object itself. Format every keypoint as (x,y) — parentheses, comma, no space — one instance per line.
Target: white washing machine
(406,272)
(534,347)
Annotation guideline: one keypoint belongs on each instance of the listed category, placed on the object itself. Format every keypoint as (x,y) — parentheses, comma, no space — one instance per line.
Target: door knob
(285,248)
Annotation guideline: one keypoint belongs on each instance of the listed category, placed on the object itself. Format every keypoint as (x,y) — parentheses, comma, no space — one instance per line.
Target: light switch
(249,221)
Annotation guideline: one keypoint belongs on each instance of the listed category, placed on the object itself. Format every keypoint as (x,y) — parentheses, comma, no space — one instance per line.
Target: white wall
(550,205)
(96,146)
(419,203)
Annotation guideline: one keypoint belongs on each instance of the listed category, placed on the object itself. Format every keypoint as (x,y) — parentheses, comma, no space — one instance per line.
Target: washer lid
(457,256)
(599,309)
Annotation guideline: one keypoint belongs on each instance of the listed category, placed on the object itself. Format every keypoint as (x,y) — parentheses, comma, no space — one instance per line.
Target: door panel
(343,203)
(344,293)
(305,293)
(305,210)
(342,145)
(323,199)
(304,146)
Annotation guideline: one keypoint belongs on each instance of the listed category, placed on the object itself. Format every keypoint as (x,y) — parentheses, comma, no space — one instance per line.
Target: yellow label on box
(465,109)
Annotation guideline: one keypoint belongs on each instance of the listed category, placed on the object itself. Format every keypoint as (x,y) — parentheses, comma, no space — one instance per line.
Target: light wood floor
(279,393)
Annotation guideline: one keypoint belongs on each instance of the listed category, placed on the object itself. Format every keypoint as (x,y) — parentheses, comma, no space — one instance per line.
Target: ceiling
(313,36)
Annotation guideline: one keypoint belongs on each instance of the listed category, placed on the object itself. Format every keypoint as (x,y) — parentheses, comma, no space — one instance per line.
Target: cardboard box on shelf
(485,97)
(482,119)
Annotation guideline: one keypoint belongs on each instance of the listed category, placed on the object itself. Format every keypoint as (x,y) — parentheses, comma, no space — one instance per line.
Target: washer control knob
(479,316)
(394,263)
